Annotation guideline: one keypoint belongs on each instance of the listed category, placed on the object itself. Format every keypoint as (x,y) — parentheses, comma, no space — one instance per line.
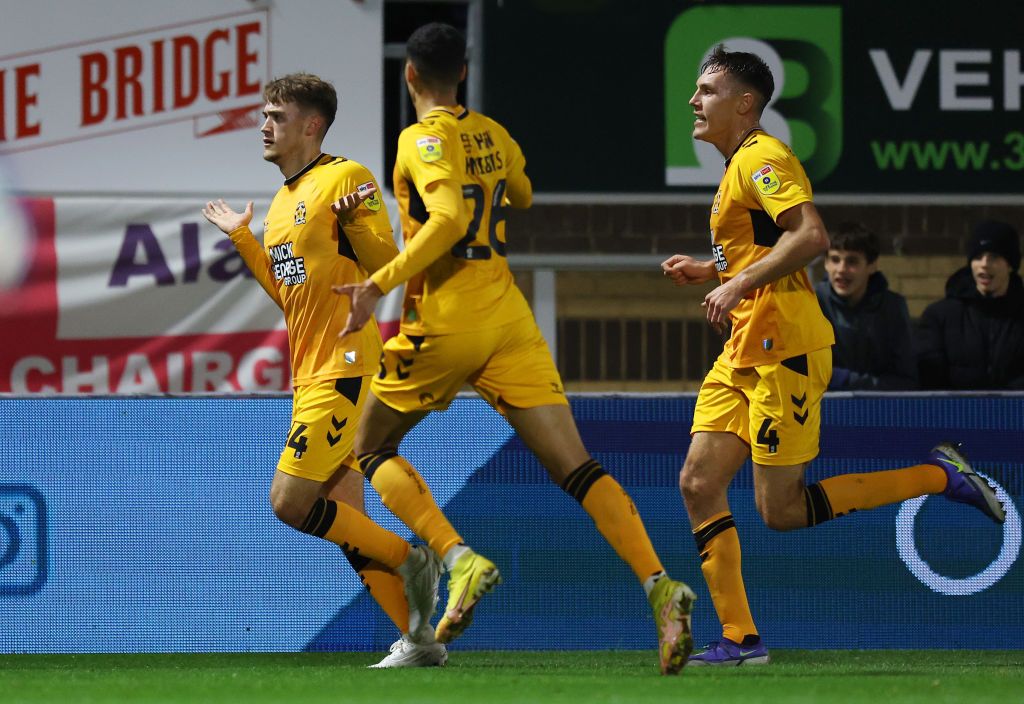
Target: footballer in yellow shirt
(327,225)
(762,398)
(465,321)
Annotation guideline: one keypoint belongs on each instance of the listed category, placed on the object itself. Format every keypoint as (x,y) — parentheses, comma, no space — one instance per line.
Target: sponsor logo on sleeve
(429,148)
(766,179)
(372,201)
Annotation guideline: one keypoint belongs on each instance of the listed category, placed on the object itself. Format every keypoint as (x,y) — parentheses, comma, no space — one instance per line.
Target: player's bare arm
(684,269)
(804,237)
(220,214)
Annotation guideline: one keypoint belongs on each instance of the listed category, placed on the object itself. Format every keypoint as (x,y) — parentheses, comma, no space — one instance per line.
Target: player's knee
(779,517)
(695,484)
(287,510)
(368,445)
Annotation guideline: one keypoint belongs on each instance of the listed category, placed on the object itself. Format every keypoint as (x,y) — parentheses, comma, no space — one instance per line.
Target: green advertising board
(875,98)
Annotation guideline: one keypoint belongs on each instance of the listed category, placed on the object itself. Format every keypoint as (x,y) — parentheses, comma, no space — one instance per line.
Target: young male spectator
(974,337)
(874,346)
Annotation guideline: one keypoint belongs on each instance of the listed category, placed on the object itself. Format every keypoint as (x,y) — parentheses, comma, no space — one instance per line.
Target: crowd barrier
(142,525)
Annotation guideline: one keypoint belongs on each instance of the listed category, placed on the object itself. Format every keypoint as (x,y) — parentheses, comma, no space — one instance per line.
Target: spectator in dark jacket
(874,347)
(974,337)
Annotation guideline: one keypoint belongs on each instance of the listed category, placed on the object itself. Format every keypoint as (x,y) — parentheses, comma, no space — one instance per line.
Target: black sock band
(819,509)
(320,518)
(703,536)
(579,481)
(370,462)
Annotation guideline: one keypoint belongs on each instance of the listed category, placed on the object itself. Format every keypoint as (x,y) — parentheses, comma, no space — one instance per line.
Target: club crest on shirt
(766,179)
(300,213)
(429,148)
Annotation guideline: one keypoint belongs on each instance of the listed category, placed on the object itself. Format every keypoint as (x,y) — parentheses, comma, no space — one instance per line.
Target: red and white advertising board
(137,297)
(117,96)
(119,120)
(140,296)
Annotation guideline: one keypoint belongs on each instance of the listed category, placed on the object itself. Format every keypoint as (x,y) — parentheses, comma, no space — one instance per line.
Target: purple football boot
(963,483)
(729,653)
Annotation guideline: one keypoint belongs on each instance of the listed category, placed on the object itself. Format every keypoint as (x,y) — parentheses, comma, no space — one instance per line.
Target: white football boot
(421,571)
(405,653)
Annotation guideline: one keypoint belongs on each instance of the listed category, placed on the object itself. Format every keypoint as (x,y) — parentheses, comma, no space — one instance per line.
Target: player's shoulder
(338,164)
(340,168)
(481,121)
(423,134)
(432,139)
(762,147)
(436,123)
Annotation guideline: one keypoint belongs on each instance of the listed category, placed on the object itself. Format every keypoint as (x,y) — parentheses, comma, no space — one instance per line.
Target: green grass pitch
(574,677)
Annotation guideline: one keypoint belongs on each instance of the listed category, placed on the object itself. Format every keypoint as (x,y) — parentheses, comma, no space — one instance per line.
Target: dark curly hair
(855,237)
(438,52)
(749,69)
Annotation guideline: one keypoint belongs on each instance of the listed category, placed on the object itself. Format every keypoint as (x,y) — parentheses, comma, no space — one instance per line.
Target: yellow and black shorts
(509,366)
(324,420)
(774,408)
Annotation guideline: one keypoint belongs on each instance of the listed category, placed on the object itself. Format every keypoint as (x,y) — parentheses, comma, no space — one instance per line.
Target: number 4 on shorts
(767,436)
(297,441)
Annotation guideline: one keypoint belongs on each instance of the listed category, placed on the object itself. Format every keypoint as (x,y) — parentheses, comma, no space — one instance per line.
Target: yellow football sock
(345,526)
(404,492)
(385,586)
(837,496)
(720,560)
(615,516)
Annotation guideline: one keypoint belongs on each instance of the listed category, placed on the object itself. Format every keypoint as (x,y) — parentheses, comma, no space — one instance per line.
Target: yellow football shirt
(781,319)
(463,283)
(305,251)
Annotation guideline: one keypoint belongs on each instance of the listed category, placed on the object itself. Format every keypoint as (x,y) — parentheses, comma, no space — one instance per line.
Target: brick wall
(634,330)
(921,246)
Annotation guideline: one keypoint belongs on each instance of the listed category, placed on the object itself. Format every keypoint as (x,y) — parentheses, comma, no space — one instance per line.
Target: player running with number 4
(327,225)
(762,397)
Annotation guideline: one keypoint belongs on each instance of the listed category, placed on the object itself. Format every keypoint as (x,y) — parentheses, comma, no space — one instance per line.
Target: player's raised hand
(364,300)
(220,214)
(347,203)
(683,270)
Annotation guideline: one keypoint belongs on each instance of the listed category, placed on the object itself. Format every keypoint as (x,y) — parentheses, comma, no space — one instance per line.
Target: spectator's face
(848,272)
(991,274)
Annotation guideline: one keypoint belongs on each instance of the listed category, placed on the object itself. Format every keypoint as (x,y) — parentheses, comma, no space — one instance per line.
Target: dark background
(580,86)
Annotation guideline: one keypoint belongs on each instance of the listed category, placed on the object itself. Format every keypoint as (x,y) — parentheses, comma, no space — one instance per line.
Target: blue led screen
(142,525)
